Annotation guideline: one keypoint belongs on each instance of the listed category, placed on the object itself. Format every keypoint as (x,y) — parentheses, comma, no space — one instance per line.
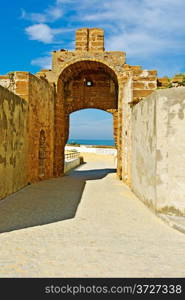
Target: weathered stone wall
(5,81)
(41,120)
(16,82)
(13,142)
(125,122)
(90,39)
(144,82)
(176,81)
(158,159)
(40,96)
(143,156)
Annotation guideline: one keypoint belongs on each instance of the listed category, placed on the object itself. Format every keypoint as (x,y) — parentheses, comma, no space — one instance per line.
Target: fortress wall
(158,156)
(143,156)
(125,123)
(13,142)
(39,95)
(41,118)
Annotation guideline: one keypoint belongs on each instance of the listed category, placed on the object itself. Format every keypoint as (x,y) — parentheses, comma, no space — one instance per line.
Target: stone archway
(89,59)
(83,84)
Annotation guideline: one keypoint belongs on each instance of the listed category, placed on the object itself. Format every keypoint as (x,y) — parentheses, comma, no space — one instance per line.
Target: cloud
(49,15)
(43,62)
(42,33)
(154,25)
(34,17)
(142,28)
(143,43)
(54,13)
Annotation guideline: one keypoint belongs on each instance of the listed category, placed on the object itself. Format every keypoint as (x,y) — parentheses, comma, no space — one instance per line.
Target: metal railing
(71,155)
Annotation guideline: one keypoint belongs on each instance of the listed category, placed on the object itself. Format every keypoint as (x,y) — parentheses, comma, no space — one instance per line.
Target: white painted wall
(85,149)
(158,150)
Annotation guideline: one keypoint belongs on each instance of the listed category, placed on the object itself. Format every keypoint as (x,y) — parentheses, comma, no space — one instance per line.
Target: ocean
(92,142)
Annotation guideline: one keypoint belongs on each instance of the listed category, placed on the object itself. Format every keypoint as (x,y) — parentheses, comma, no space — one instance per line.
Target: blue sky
(91,124)
(151,32)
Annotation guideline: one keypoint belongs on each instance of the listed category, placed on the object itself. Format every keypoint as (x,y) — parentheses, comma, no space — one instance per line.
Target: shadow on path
(47,201)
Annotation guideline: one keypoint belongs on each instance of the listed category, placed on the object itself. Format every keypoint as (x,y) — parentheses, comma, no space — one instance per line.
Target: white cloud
(54,13)
(34,17)
(140,27)
(43,62)
(143,43)
(51,14)
(42,33)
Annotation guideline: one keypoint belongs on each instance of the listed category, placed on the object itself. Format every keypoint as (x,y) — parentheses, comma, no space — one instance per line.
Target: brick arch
(84,58)
(108,111)
(73,94)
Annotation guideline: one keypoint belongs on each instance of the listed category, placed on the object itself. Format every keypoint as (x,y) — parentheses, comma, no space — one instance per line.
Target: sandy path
(92,226)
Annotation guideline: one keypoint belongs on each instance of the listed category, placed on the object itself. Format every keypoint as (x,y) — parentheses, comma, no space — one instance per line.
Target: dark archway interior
(89,84)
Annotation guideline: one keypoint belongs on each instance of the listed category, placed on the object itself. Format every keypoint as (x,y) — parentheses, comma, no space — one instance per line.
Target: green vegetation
(177,80)
(183,79)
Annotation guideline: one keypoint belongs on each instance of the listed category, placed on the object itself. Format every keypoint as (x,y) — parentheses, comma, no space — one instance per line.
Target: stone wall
(41,129)
(143,156)
(16,82)
(90,39)
(158,158)
(5,81)
(40,96)
(175,81)
(69,165)
(13,142)
(125,136)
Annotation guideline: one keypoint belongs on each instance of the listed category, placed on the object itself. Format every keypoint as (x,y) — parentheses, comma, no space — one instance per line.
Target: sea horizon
(100,142)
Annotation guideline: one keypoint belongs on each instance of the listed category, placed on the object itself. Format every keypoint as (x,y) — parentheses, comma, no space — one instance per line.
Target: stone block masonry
(41,122)
(39,96)
(90,39)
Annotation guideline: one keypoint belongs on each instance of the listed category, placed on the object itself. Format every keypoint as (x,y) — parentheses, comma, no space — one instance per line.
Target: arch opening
(91,127)
(82,85)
